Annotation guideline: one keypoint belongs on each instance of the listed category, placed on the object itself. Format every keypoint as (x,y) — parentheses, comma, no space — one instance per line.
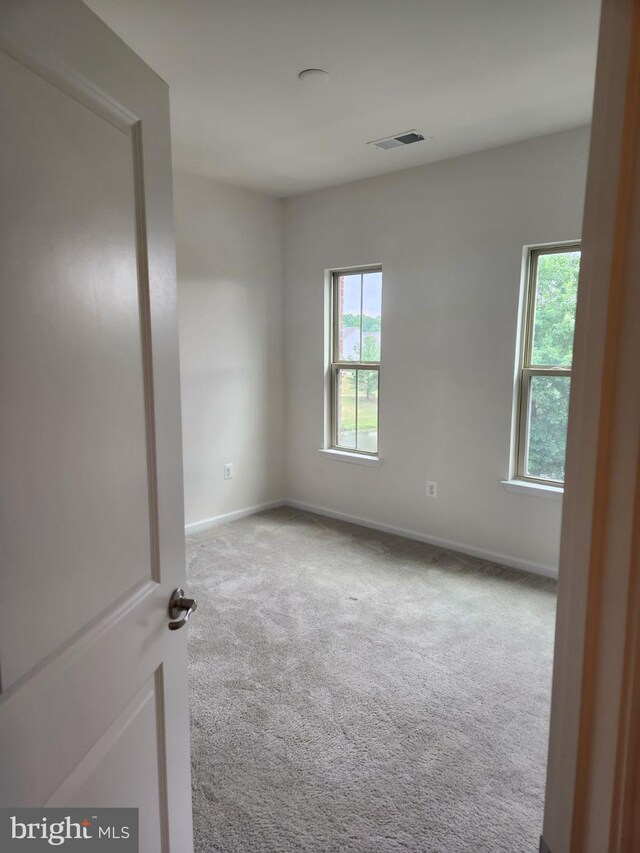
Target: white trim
(451,545)
(72,84)
(354,458)
(539,490)
(503,559)
(225,518)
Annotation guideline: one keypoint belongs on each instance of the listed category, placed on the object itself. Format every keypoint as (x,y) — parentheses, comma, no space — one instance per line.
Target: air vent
(407,137)
(388,143)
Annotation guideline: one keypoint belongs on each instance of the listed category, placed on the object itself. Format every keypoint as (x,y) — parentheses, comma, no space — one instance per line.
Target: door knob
(178,604)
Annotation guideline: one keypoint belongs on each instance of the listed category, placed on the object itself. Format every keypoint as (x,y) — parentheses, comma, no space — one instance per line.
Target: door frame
(593,779)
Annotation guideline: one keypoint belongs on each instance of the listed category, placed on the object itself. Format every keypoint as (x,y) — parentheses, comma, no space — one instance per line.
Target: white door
(93,707)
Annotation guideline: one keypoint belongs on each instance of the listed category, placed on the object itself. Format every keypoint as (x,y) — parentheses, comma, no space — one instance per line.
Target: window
(356,307)
(547,353)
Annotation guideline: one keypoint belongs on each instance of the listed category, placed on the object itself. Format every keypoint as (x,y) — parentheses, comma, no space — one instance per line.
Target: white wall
(229,256)
(450,238)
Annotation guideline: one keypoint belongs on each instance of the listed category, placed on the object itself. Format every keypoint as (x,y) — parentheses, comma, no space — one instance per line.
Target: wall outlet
(432,489)
(228,470)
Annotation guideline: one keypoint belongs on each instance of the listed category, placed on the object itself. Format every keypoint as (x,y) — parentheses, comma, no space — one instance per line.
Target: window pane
(548,414)
(368,410)
(349,314)
(346,405)
(555,308)
(371,316)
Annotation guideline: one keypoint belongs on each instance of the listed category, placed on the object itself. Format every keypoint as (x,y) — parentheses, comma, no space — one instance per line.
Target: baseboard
(451,545)
(493,556)
(216,520)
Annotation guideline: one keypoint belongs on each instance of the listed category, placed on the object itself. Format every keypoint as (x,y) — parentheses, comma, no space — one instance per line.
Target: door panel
(73,372)
(98,777)
(51,719)
(93,701)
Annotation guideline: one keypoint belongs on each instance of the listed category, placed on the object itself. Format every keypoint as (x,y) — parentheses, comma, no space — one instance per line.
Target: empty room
(319,333)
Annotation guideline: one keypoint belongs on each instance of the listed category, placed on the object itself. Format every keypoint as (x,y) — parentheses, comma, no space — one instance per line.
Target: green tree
(351,321)
(554,322)
(555,309)
(370,348)
(369,323)
(368,379)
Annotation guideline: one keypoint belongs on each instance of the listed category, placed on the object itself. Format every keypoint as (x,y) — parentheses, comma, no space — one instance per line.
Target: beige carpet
(354,691)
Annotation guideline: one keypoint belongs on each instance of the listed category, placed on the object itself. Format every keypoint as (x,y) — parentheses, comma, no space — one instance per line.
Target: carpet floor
(354,691)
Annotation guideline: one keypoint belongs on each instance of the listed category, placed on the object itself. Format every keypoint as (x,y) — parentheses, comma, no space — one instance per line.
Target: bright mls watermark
(27,830)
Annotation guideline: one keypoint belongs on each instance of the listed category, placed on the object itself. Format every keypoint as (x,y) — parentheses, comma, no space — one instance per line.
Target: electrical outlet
(228,470)
(432,489)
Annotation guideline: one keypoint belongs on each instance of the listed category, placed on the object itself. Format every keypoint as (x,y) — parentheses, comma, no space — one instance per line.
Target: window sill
(523,487)
(353,458)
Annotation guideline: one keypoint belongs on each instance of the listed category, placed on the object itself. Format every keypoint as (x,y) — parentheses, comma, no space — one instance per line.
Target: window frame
(528,370)
(336,364)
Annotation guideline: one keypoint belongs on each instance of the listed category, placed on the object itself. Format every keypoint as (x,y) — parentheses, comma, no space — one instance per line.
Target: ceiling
(471,74)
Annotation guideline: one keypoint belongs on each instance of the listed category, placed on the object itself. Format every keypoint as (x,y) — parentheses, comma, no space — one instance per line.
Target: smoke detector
(398,140)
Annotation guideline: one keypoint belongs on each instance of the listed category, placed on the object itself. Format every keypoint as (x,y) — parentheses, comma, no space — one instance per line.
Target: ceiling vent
(408,137)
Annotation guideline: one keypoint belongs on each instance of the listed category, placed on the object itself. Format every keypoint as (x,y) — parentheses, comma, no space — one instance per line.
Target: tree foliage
(369,323)
(556,293)
(554,321)
(367,379)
